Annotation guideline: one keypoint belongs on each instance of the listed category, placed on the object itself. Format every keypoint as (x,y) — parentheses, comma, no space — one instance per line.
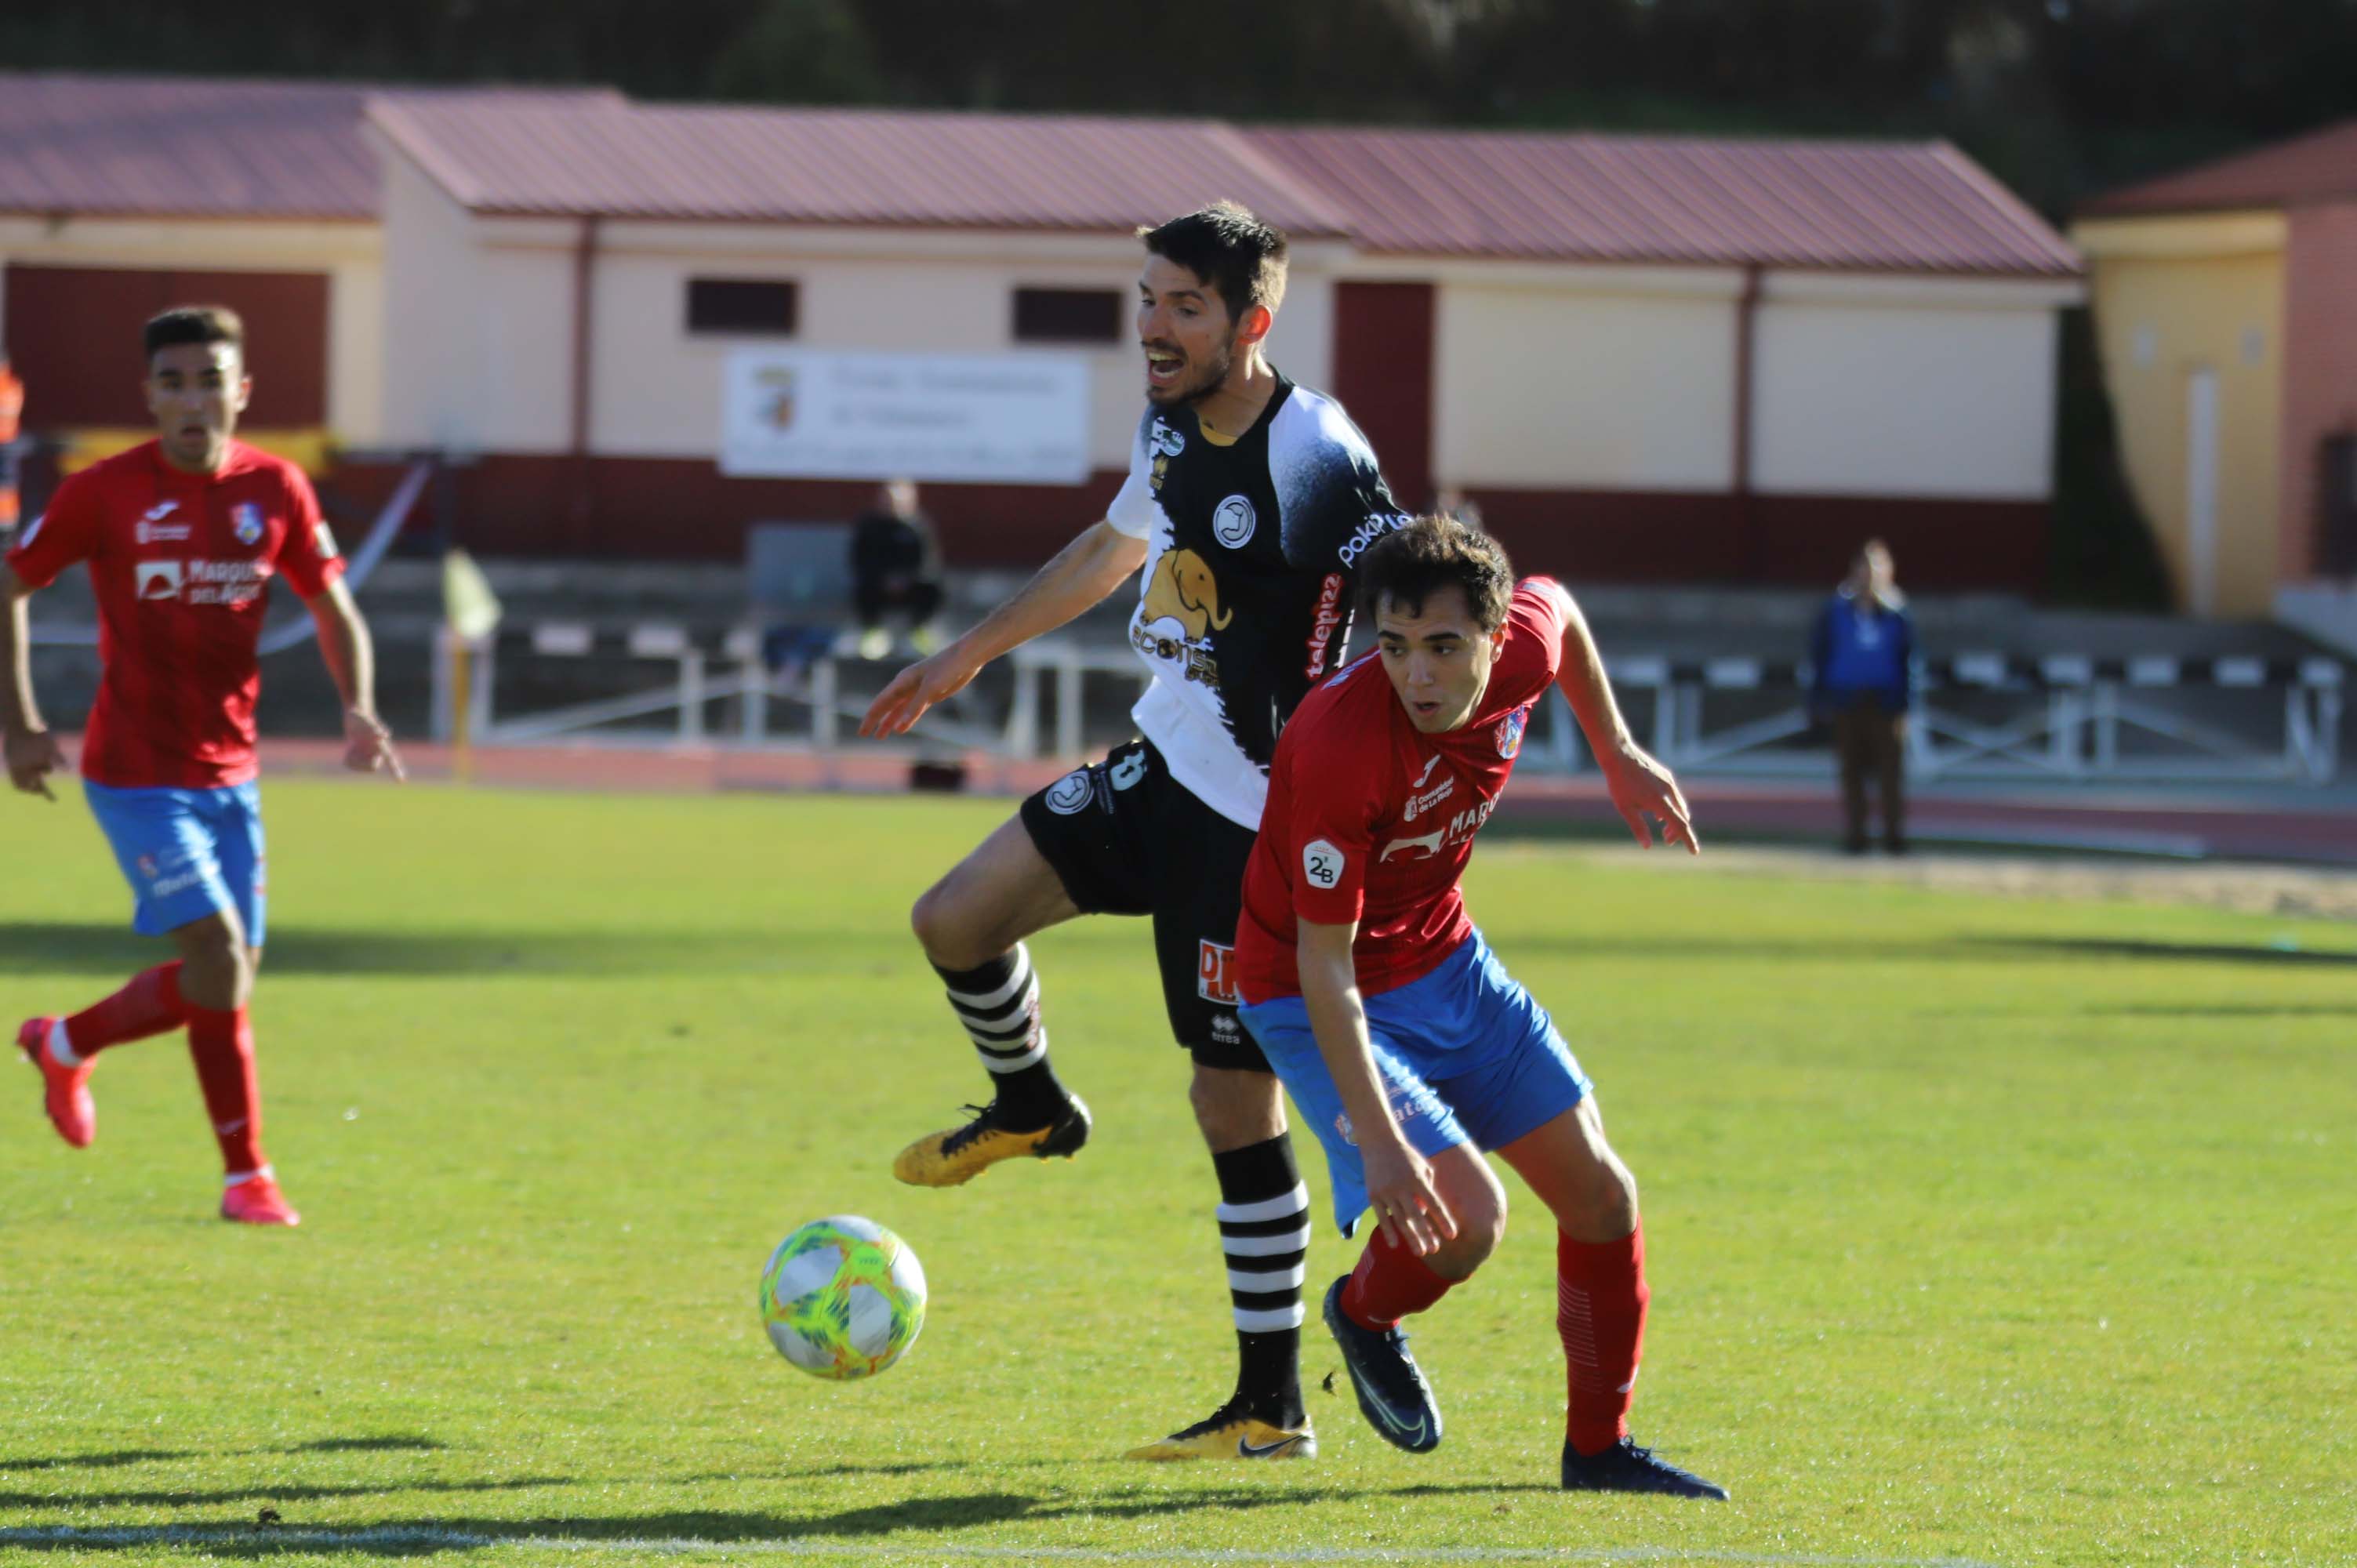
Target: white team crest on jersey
(1510,733)
(1070,795)
(245,522)
(1234,521)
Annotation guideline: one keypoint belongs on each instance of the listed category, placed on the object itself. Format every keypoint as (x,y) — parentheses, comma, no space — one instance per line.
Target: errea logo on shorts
(1322,863)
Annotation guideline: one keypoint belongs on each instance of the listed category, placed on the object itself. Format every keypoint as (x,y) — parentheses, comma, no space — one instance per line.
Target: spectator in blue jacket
(1861,661)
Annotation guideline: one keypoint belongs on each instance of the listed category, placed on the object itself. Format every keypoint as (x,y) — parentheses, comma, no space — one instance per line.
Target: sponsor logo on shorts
(1327,621)
(1233,522)
(1070,795)
(1215,977)
(1226,1030)
(1322,863)
(245,522)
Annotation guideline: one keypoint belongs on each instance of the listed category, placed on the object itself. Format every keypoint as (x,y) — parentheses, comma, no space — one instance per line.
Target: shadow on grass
(121,1457)
(262,1492)
(90,948)
(689,1529)
(2170,953)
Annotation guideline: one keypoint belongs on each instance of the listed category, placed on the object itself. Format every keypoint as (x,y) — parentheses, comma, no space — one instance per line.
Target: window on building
(743,307)
(1067,315)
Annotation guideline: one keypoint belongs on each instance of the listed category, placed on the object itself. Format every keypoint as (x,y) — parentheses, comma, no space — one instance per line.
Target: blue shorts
(1466,1056)
(186,854)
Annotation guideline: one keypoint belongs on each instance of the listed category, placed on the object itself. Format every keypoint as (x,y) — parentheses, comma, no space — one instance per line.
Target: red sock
(1389,1283)
(149,1004)
(1600,1298)
(221,1045)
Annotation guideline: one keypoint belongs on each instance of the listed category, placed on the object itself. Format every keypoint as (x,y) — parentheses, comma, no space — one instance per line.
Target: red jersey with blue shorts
(1370,819)
(181,565)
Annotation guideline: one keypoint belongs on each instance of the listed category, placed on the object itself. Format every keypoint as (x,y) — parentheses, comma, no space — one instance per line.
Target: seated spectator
(896,565)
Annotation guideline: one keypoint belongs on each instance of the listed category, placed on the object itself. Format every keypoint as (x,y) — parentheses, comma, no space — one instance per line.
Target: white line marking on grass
(417,1536)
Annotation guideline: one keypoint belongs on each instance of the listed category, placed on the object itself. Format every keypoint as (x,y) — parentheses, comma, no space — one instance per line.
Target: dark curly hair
(1434,552)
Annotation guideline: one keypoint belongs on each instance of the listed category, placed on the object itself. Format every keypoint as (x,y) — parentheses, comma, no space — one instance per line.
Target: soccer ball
(843,1298)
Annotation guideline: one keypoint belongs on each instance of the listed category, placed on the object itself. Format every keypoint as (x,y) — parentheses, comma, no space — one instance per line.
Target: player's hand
(1399,1188)
(33,755)
(368,746)
(1641,788)
(900,705)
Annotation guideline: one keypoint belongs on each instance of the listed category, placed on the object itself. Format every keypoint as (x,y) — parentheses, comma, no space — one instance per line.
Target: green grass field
(1987,1231)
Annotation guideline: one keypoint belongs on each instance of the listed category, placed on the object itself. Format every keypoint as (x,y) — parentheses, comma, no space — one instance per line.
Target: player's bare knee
(215,969)
(1234,1107)
(943,929)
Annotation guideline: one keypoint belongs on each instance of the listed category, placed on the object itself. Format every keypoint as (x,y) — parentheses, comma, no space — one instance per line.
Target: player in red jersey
(1397,1032)
(183,535)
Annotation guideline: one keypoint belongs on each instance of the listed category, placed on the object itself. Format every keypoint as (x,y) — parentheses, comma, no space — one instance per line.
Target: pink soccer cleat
(65,1090)
(258,1201)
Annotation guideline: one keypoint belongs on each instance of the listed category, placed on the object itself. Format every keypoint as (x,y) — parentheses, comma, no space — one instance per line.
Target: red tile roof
(1552,197)
(192,146)
(928,169)
(2318,167)
(212,147)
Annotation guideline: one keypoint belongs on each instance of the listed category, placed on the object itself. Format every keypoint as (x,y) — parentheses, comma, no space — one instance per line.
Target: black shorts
(1128,839)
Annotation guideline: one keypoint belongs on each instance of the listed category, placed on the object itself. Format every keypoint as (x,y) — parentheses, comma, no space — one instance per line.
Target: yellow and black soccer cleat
(1230,1433)
(955,1157)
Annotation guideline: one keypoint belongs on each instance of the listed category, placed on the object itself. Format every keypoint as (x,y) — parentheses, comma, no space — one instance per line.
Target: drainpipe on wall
(584,260)
(1747,322)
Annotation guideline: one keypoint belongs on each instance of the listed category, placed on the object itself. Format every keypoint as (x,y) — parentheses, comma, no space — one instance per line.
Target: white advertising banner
(821,415)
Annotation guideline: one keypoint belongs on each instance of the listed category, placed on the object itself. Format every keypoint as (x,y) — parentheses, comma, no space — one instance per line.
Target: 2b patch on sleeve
(1322,863)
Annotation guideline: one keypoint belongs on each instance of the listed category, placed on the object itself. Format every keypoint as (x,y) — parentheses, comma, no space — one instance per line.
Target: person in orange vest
(12,409)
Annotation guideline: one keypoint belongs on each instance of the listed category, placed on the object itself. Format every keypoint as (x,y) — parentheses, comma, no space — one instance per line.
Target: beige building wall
(488,365)
(1568,377)
(352,254)
(2176,298)
(1902,387)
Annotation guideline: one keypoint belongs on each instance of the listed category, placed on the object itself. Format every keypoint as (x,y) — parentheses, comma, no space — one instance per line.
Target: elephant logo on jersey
(1510,733)
(1179,611)
(1183,590)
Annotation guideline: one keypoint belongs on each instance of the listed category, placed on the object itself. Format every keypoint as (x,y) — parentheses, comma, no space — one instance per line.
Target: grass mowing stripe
(417,1536)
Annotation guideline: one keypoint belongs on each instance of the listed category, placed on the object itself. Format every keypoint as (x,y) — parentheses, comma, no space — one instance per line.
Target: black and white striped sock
(998,1002)
(1265,1230)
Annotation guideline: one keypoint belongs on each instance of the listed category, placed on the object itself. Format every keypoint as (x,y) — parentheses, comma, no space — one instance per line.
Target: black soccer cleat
(1625,1467)
(1393,1394)
(956,1156)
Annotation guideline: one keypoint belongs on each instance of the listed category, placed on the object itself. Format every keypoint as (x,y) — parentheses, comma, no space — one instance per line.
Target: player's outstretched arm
(1083,572)
(350,656)
(1400,1188)
(1640,787)
(33,753)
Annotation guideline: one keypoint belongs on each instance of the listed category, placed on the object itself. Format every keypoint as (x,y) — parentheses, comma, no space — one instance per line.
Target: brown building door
(1383,374)
(73,336)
